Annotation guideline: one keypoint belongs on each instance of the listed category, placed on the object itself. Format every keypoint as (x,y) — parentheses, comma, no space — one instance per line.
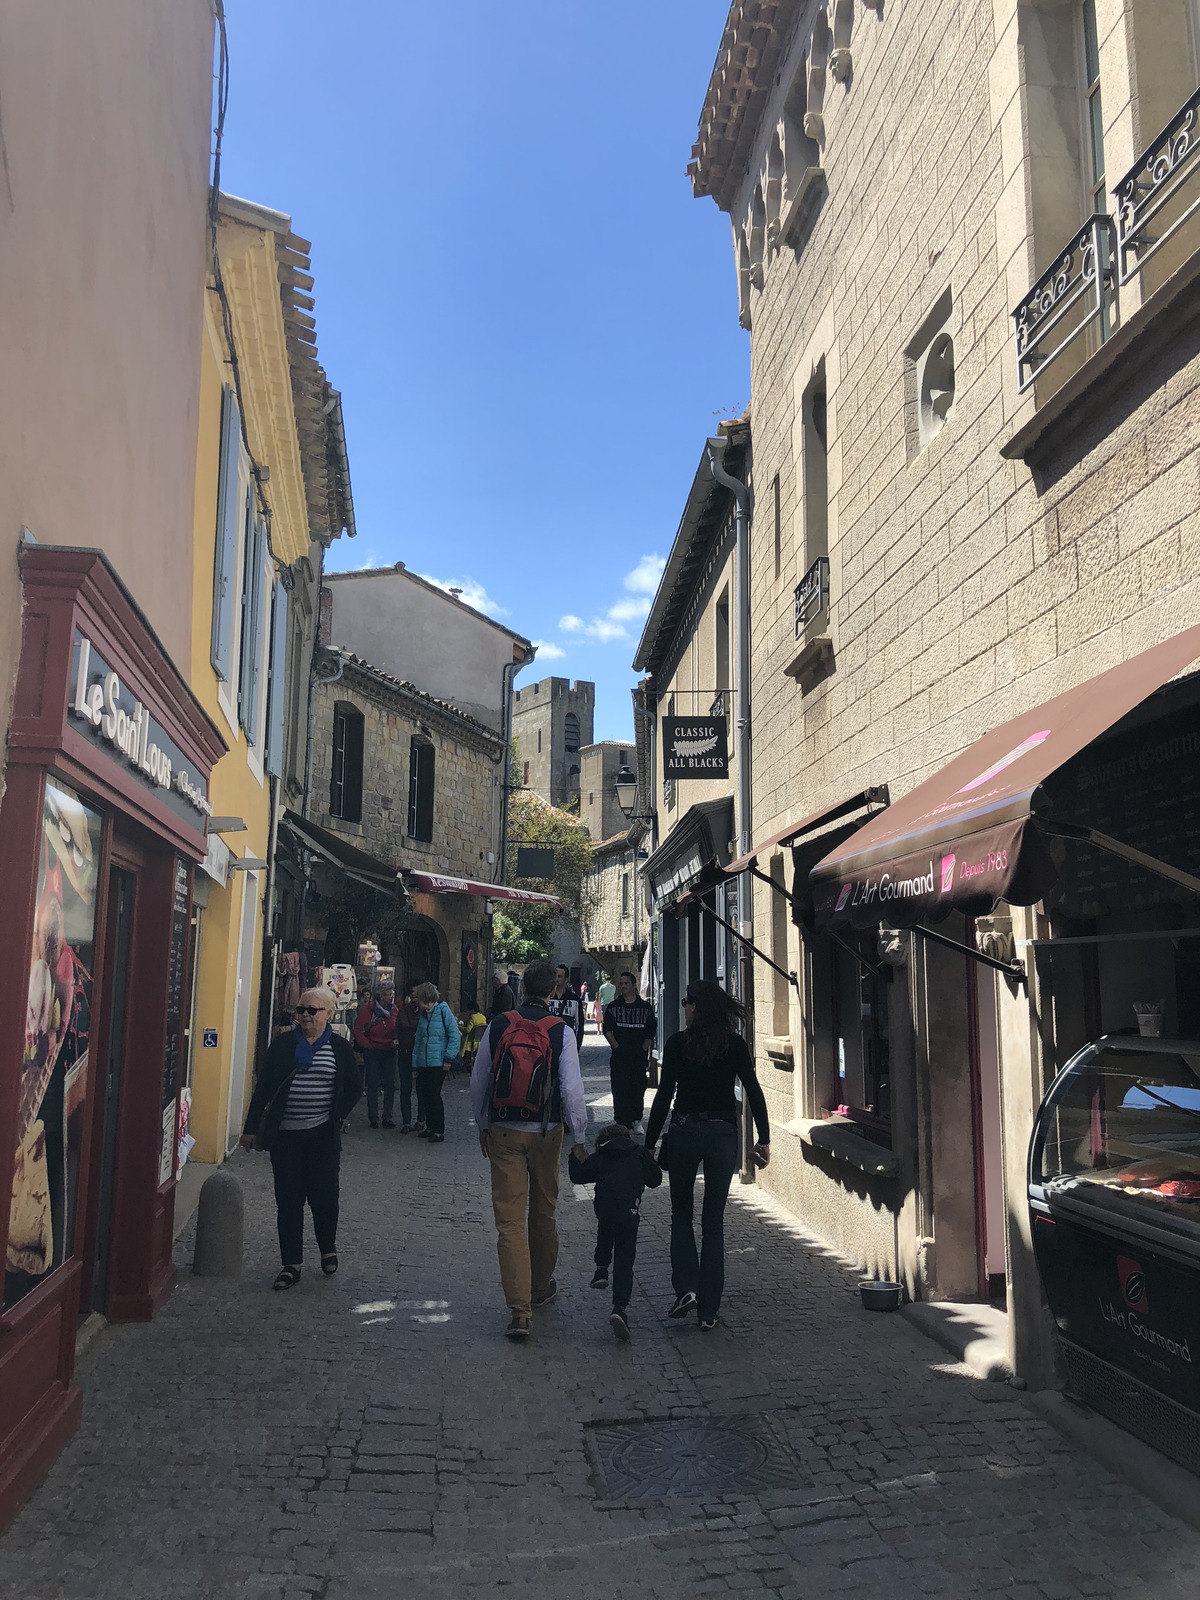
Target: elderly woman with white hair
(308,1085)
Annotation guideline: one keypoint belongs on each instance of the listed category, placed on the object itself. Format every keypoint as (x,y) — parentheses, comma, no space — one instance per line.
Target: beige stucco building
(975,475)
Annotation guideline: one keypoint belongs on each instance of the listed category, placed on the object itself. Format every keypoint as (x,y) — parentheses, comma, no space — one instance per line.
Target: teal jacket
(437,1039)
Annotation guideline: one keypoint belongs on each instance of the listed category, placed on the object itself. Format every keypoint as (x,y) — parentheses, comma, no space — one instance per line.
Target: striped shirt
(310,1094)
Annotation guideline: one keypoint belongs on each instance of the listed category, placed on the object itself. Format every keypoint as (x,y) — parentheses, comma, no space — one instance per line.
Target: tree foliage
(532,821)
(511,945)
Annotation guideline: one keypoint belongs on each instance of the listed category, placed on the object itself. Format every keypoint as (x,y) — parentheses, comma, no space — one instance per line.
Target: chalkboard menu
(176,971)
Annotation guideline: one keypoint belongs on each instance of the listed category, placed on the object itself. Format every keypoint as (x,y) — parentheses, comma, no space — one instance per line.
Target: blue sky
(532,322)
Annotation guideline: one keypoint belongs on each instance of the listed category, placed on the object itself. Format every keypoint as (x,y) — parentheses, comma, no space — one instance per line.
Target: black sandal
(288,1278)
(329,1264)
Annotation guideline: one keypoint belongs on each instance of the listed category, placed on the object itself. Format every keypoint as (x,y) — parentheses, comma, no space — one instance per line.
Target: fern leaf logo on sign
(695,747)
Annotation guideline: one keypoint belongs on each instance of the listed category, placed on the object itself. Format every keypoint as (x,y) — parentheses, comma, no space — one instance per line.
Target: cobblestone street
(374,1435)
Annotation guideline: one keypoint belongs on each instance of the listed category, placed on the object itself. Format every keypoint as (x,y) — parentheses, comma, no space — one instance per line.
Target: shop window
(860,1035)
(346,782)
(571,732)
(420,790)
(229,525)
(780,988)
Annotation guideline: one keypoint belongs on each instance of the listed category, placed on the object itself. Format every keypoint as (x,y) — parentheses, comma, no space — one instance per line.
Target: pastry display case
(1114,1195)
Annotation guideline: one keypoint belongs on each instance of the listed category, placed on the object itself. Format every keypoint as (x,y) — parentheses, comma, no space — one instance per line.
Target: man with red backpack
(525,1083)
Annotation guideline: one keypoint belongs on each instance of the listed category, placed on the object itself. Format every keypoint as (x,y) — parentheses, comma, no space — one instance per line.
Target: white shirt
(570,1085)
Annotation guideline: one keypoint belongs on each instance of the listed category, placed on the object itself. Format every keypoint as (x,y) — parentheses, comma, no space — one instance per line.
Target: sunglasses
(309,1011)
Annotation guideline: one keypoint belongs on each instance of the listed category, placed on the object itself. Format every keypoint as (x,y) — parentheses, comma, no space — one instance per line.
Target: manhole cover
(705,1456)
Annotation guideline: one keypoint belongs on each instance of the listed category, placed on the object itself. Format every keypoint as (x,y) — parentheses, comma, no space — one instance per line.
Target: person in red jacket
(375,1035)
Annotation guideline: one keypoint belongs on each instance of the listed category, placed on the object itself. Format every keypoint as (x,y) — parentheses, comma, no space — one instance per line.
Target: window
(721,642)
(254,552)
(816,470)
(571,732)
(420,790)
(276,681)
(860,1034)
(539,734)
(591,798)
(229,523)
(778,521)
(1093,110)
(525,777)
(624,894)
(346,778)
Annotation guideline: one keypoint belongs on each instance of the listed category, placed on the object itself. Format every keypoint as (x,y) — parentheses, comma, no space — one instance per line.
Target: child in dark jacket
(621,1170)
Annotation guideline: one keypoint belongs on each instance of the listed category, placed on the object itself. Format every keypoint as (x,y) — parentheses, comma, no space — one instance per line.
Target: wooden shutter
(420,790)
(228,527)
(277,681)
(337,772)
(250,673)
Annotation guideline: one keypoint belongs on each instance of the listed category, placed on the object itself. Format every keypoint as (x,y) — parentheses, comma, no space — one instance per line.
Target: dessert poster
(54,1065)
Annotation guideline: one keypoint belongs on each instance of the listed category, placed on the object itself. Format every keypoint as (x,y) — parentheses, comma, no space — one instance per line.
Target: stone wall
(609,932)
(539,726)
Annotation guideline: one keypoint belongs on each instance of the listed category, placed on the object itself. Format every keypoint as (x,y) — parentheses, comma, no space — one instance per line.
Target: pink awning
(437,883)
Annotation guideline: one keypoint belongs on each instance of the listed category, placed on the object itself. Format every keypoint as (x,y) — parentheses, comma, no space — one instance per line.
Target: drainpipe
(741,524)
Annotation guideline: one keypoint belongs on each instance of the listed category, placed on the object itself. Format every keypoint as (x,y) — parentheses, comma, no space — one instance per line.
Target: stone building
(552,722)
(615,929)
(964,256)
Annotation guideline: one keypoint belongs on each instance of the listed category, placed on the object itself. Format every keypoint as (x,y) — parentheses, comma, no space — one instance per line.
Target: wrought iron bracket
(750,945)
(1114,847)
(1015,969)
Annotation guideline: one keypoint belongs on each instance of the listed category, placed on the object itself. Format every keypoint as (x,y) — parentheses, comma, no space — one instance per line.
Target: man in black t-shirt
(629,1026)
(565,1003)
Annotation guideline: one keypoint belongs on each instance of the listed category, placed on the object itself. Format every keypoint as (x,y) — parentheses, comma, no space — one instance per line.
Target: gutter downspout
(742,513)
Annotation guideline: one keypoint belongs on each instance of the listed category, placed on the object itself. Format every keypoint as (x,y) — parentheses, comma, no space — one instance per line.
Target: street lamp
(625,789)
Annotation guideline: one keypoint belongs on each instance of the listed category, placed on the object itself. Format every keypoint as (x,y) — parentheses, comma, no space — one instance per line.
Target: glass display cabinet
(1114,1196)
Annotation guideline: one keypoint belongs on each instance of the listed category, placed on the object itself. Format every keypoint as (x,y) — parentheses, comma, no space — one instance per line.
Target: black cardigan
(269,1100)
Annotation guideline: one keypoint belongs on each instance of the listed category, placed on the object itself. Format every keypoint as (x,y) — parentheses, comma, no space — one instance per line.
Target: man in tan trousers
(519,1111)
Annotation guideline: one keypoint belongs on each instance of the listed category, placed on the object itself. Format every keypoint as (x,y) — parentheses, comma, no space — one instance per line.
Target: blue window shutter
(252,580)
(228,526)
(276,682)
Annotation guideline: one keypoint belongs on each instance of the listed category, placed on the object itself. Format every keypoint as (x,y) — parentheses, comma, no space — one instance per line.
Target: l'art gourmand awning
(438,883)
(968,837)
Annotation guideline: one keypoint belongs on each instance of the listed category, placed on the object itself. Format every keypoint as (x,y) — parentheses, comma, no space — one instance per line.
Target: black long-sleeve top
(706,1087)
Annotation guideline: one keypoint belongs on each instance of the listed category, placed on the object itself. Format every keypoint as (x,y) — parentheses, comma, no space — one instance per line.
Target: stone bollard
(218,1252)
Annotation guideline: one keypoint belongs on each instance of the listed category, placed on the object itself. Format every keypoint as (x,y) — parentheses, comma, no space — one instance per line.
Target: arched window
(571,732)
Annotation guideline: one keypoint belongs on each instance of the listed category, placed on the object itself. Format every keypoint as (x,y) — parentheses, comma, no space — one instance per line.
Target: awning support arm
(772,883)
(1103,841)
(790,976)
(871,966)
(1010,969)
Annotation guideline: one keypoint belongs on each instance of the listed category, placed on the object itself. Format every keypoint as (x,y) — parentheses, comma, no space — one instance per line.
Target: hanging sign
(111,714)
(695,747)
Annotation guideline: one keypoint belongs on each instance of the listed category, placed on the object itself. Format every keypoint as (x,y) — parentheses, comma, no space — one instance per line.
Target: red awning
(438,883)
(818,819)
(966,838)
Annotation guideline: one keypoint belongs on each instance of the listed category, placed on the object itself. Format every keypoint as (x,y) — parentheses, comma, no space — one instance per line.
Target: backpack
(522,1088)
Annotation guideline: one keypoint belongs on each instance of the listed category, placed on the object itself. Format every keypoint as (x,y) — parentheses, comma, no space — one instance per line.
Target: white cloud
(630,610)
(605,630)
(644,577)
(547,651)
(570,624)
(343,557)
(471,593)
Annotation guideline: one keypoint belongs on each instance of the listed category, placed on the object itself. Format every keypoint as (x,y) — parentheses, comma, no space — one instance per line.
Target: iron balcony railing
(812,594)
(1157,197)
(1074,294)
(1164,171)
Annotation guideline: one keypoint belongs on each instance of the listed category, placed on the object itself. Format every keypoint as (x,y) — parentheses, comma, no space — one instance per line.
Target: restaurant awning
(355,863)
(970,836)
(694,854)
(439,883)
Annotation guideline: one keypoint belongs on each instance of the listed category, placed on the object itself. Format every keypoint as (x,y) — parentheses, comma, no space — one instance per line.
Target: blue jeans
(713,1147)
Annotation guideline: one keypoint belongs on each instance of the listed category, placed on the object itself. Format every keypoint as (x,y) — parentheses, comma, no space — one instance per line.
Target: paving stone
(329,1442)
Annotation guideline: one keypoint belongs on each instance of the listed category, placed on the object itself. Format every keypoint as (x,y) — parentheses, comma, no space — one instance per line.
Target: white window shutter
(228,527)
(249,681)
(277,682)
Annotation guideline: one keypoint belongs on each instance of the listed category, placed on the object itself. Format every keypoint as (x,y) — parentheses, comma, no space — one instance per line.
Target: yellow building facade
(252,525)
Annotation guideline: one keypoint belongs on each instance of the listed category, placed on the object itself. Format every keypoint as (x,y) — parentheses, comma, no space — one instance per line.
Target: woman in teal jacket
(434,1048)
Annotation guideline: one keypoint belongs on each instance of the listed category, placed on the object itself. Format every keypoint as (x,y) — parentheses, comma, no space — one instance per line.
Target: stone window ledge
(780,1053)
(812,661)
(837,1139)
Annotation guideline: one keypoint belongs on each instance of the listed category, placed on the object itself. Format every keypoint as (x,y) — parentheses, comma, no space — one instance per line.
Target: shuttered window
(346,778)
(249,670)
(277,681)
(229,527)
(420,790)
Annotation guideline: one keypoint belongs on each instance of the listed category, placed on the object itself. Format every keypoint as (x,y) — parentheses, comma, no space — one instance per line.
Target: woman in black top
(698,1071)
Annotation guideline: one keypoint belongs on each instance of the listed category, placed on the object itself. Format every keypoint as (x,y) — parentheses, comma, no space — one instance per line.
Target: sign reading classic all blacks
(695,747)
(111,714)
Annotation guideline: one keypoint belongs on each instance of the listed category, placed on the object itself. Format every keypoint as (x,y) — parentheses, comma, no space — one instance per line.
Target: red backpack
(523,1070)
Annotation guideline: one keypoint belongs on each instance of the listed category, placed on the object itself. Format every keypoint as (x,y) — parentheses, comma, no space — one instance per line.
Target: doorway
(122,890)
